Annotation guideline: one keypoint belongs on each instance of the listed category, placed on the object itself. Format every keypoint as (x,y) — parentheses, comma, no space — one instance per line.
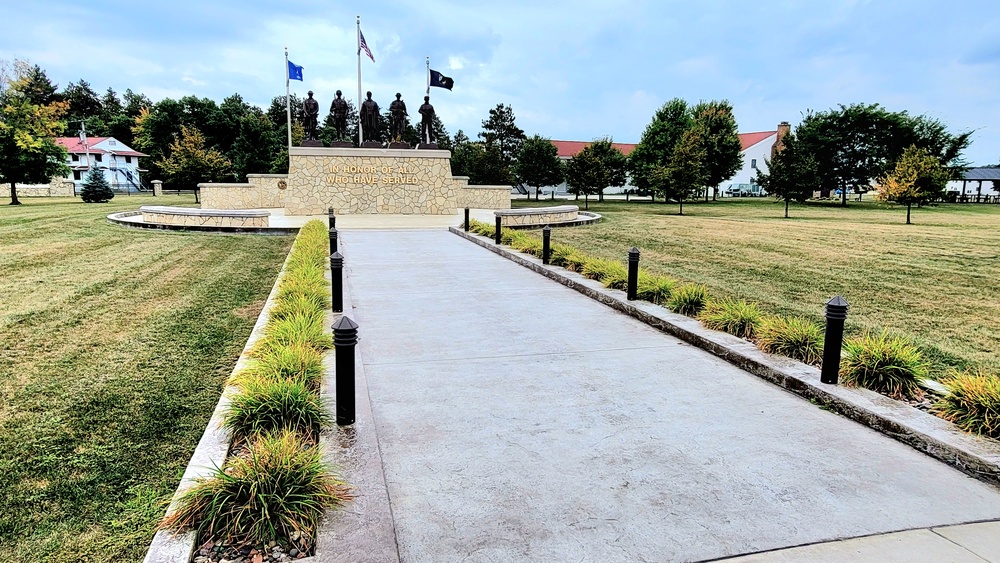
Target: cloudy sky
(571,70)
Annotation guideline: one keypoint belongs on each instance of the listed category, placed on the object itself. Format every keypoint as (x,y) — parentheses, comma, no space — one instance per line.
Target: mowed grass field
(937,280)
(114,345)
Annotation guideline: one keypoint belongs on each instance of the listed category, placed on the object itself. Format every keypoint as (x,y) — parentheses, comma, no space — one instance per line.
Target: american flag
(364,46)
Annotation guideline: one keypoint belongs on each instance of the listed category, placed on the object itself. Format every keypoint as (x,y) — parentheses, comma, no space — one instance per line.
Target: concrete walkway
(521,421)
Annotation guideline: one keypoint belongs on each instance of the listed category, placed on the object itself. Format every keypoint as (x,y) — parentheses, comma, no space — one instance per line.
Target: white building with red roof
(117,160)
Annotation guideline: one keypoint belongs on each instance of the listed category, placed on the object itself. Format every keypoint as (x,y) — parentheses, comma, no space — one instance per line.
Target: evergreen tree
(96,188)
(502,139)
(37,87)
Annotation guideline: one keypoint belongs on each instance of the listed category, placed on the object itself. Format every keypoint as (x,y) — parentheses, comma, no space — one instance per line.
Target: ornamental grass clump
(293,304)
(884,362)
(296,362)
(305,329)
(264,405)
(688,299)
(793,337)
(654,288)
(973,402)
(609,272)
(305,284)
(737,317)
(276,490)
(568,257)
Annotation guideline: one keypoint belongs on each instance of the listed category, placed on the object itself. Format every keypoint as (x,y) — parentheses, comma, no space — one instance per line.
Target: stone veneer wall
(354,181)
(204,220)
(539,216)
(57,187)
(260,192)
(482,197)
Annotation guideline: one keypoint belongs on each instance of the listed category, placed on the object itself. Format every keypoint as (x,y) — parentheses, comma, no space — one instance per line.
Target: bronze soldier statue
(397,110)
(310,113)
(339,110)
(426,121)
(369,119)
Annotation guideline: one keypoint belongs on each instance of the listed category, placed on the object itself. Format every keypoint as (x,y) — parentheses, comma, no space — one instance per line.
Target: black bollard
(499,234)
(331,218)
(546,246)
(466,219)
(836,314)
(633,273)
(337,281)
(345,337)
(333,240)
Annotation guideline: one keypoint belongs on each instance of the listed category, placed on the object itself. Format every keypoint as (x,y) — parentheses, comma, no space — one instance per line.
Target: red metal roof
(572,148)
(74,146)
(748,140)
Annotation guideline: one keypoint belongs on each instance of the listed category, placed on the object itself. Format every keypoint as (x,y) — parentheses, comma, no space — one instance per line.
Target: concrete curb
(973,455)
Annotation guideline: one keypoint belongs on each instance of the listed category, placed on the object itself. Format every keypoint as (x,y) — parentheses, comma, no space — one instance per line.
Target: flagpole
(361,134)
(428,75)
(288,104)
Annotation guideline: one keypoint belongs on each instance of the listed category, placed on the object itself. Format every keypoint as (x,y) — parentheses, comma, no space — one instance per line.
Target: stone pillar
(157,187)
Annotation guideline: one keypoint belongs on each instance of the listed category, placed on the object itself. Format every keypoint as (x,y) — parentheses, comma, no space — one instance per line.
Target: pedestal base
(399,145)
(341,145)
(371,145)
(431,146)
(312,143)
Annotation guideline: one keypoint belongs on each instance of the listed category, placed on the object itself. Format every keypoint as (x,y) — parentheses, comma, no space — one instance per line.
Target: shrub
(279,362)
(264,405)
(654,288)
(96,188)
(737,317)
(973,403)
(883,362)
(612,273)
(688,299)
(304,284)
(796,338)
(277,487)
(304,329)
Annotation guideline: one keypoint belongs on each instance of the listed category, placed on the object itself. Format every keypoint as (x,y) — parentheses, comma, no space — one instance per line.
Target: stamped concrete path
(521,421)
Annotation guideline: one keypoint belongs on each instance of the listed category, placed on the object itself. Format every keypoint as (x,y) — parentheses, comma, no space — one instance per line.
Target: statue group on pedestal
(369,115)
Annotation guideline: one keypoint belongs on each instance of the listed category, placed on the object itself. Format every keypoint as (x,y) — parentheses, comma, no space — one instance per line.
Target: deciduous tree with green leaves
(538,164)
(28,152)
(791,175)
(686,173)
(585,174)
(614,165)
(721,140)
(656,146)
(917,177)
(190,162)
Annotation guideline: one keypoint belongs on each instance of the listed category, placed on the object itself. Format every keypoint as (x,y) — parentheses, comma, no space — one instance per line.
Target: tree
(585,174)
(191,162)
(917,177)
(656,146)
(82,99)
(28,152)
(791,175)
(96,188)
(37,87)
(538,164)
(502,139)
(255,146)
(613,165)
(720,139)
(686,172)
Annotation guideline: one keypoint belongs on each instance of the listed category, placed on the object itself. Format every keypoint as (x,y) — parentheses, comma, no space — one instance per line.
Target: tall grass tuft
(688,299)
(279,362)
(291,305)
(793,337)
(883,362)
(308,329)
(654,288)
(600,269)
(277,487)
(737,317)
(264,405)
(973,403)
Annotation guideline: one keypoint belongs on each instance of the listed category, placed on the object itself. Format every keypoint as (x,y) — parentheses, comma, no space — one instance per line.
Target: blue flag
(294,71)
(440,80)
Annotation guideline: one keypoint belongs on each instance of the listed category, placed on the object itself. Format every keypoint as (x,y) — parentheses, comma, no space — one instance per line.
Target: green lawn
(937,280)
(114,345)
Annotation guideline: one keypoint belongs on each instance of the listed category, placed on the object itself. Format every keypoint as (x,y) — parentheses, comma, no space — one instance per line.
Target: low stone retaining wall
(58,187)
(538,216)
(186,216)
(481,197)
(261,191)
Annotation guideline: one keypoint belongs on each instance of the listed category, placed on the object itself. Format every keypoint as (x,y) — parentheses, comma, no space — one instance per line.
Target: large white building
(117,160)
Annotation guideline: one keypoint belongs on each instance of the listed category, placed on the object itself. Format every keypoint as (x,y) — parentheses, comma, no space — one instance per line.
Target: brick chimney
(783,129)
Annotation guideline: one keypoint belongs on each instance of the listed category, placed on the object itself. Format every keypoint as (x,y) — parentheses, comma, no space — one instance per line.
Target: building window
(76,174)
(128,160)
(753,163)
(98,158)
(75,157)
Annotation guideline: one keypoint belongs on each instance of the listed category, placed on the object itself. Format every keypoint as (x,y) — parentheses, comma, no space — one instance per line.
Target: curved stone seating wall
(262,191)
(189,216)
(538,216)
